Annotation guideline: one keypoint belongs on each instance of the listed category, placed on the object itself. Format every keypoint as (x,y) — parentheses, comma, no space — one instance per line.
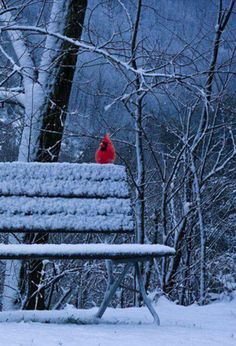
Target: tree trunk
(46,141)
(54,121)
(57,103)
(138,118)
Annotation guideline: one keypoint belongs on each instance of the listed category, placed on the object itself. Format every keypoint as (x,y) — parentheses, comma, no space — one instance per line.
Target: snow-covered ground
(214,324)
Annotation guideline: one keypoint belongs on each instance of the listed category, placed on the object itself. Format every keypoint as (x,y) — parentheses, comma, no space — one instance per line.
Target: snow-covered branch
(103,52)
(12,95)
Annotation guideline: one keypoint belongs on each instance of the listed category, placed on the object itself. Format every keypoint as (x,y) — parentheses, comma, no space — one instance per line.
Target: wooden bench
(76,198)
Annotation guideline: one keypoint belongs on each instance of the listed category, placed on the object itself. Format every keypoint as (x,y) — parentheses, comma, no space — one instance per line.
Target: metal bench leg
(144,295)
(111,289)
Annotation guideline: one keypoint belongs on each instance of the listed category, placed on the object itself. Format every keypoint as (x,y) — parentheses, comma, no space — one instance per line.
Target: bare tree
(179,165)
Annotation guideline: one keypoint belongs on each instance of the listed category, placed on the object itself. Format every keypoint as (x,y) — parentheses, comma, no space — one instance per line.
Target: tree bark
(53,124)
(57,103)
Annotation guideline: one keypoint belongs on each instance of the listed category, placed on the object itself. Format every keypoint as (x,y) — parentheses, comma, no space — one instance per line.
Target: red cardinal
(106,152)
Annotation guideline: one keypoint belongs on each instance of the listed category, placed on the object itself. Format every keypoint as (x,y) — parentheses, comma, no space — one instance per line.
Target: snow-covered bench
(63,197)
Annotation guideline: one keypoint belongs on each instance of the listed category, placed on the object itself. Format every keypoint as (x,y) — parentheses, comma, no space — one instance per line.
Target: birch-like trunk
(11,292)
(38,92)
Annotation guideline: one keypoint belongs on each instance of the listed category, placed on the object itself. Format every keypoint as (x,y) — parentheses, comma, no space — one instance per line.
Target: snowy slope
(211,325)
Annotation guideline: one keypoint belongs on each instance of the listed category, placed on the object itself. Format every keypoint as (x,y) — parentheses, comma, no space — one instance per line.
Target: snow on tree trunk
(37,91)
(55,111)
(11,294)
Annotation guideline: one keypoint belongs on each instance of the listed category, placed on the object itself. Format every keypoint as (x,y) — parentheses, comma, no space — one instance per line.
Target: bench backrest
(64,197)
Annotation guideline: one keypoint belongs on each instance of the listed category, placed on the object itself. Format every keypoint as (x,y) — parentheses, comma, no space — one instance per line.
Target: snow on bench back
(62,179)
(64,197)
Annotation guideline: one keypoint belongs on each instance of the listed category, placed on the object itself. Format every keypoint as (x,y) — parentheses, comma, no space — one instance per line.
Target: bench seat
(84,251)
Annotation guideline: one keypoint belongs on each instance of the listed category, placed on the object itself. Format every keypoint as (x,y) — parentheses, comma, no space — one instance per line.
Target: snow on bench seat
(65,215)
(84,251)
(62,179)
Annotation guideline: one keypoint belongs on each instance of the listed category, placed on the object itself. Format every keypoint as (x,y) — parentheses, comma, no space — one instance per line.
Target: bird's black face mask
(103,146)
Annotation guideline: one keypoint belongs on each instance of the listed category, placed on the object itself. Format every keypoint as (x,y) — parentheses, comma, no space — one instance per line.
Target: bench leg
(109,268)
(144,295)
(111,291)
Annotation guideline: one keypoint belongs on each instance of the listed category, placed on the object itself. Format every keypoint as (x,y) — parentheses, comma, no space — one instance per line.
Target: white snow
(66,214)
(63,170)
(67,223)
(65,197)
(212,325)
(93,251)
(63,179)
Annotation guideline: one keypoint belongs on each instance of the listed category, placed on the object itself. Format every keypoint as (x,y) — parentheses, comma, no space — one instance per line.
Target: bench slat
(84,251)
(65,215)
(68,224)
(63,179)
